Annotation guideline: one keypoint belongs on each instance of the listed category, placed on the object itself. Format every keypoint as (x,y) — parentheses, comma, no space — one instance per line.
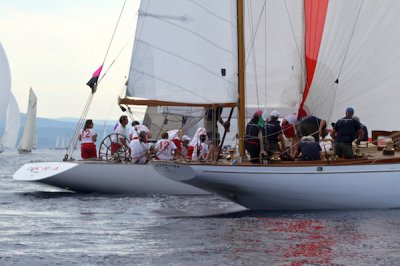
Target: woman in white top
(88,138)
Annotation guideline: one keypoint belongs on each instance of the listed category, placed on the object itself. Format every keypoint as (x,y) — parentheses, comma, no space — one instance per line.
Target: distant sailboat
(8,105)
(29,135)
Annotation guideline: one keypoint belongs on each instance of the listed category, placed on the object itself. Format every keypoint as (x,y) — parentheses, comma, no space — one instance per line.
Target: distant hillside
(48,130)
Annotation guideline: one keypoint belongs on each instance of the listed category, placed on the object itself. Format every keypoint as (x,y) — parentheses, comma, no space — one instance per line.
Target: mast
(241,92)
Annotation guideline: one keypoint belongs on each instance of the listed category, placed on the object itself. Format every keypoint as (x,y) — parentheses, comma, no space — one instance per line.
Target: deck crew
(119,140)
(254,138)
(165,148)
(139,149)
(211,119)
(309,150)
(273,134)
(136,129)
(200,149)
(344,133)
(88,138)
(185,145)
(289,124)
(196,138)
(364,129)
(312,125)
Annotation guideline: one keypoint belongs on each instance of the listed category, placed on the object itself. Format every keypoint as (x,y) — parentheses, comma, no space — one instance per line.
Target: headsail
(29,135)
(359,63)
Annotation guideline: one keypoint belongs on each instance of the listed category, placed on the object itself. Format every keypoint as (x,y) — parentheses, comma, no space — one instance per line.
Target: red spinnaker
(315,14)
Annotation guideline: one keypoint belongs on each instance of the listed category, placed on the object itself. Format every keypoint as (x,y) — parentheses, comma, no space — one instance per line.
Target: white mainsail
(10,135)
(185,51)
(29,135)
(9,110)
(5,82)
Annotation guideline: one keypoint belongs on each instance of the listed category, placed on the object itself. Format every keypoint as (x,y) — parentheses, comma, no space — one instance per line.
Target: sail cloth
(10,135)
(5,82)
(274,43)
(29,135)
(185,51)
(360,51)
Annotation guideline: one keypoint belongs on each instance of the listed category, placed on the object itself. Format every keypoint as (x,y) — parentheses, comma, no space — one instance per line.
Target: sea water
(41,225)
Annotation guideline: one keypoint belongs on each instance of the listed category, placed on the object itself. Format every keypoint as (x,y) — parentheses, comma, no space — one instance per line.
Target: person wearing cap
(273,134)
(253,140)
(311,125)
(309,150)
(344,133)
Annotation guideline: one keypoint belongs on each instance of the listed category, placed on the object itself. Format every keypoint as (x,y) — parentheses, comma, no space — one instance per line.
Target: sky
(54,46)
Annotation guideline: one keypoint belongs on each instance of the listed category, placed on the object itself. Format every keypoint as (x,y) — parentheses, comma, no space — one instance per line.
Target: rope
(81,121)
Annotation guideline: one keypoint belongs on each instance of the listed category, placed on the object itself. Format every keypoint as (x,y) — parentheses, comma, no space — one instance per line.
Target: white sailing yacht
(9,110)
(322,55)
(106,176)
(29,135)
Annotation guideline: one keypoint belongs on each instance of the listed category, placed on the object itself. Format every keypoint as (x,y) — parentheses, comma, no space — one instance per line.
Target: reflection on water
(42,225)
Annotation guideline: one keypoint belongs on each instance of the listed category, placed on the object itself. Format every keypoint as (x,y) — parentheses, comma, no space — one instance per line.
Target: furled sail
(29,135)
(359,63)
(185,52)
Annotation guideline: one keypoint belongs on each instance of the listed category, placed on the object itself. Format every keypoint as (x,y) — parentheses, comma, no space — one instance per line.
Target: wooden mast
(241,76)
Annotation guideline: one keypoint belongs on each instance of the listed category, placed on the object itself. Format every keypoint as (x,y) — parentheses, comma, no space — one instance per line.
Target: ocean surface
(40,225)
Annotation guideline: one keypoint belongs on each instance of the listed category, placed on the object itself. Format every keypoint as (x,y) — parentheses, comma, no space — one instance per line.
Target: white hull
(103,177)
(294,188)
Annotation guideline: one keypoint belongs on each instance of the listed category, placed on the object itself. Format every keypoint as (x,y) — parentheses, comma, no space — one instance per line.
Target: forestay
(185,51)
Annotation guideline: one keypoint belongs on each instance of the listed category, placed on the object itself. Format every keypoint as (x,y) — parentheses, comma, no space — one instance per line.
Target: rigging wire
(74,139)
(345,56)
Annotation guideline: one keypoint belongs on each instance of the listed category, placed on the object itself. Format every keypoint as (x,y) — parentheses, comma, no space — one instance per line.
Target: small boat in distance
(28,139)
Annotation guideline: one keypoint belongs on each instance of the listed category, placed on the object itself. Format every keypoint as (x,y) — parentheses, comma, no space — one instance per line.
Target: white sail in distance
(29,135)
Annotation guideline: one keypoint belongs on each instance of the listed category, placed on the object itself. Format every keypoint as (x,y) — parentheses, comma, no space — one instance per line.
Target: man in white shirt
(136,129)
(139,148)
(165,148)
(120,128)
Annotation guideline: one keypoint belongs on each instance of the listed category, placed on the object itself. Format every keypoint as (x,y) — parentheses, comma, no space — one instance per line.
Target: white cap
(185,137)
(275,113)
